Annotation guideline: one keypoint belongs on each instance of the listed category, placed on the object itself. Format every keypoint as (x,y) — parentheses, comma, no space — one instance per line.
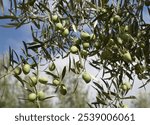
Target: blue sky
(13,37)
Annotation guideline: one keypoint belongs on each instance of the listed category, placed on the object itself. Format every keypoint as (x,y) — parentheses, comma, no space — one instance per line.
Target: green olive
(84,53)
(33,80)
(59,26)
(17,71)
(86,77)
(126,86)
(117,18)
(84,35)
(41,95)
(32,96)
(111,20)
(127,57)
(63,89)
(43,80)
(86,45)
(97,45)
(111,40)
(126,28)
(52,67)
(73,49)
(65,32)
(26,69)
(119,40)
(56,81)
(55,18)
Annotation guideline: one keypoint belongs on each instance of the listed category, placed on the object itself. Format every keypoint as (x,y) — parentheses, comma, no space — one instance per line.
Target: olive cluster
(33,81)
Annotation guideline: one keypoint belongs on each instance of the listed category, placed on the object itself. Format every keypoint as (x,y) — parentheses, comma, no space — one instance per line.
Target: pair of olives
(33,96)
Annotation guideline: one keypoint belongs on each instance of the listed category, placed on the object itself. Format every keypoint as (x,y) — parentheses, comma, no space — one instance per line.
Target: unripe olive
(125,36)
(41,95)
(97,45)
(26,69)
(126,28)
(56,81)
(59,26)
(119,40)
(103,10)
(65,32)
(17,71)
(86,45)
(111,20)
(63,90)
(111,40)
(73,49)
(117,18)
(52,67)
(84,53)
(32,96)
(127,57)
(142,45)
(126,86)
(55,18)
(43,80)
(33,81)
(84,35)
(86,77)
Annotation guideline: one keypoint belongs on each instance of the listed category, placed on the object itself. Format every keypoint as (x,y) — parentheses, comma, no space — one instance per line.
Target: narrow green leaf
(76,86)
(129,97)
(16,54)
(98,86)
(63,73)
(49,73)
(44,6)
(101,101)
(20,79)
(148,81)
(34,45)
(49,97)
(8,17)
(26,49)
(107,95)
(20,24)
(69,63)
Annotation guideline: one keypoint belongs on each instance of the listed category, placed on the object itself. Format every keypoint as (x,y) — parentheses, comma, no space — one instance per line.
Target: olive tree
(105,42)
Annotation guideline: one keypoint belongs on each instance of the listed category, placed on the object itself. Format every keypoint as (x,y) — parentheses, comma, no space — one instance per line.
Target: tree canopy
(109,36)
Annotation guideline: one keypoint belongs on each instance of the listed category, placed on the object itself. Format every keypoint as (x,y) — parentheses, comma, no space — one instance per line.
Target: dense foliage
(108,37)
